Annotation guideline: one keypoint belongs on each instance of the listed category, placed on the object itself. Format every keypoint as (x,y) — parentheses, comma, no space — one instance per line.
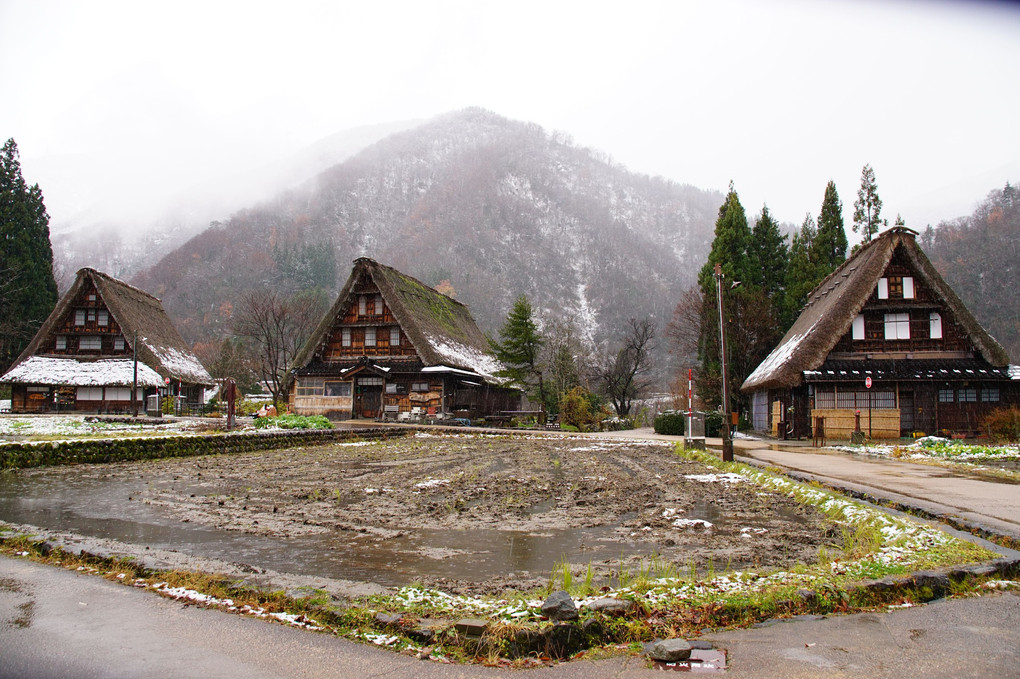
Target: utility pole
(727,440)
(134,384)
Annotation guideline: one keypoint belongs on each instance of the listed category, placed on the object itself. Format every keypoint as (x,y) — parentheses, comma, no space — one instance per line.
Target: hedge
(21,455)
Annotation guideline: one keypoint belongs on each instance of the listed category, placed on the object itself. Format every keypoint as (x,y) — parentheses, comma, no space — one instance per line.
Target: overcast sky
(117,105)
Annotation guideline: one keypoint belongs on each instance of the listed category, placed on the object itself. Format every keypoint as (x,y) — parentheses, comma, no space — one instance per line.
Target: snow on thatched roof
(440,328)
(833,305)
(82,373)
(160,346)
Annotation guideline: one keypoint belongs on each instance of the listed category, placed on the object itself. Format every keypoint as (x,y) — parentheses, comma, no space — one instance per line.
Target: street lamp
(727,440)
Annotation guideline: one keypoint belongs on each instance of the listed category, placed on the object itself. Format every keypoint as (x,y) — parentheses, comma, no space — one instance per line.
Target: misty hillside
(979,256)
(134,237)
(493,206)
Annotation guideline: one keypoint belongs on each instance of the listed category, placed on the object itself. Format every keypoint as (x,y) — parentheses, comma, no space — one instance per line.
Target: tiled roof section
(905,370)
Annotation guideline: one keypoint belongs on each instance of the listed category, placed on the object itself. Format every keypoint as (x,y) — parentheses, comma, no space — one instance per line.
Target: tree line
(766,278)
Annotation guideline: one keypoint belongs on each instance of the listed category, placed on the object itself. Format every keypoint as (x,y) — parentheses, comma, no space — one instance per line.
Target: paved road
(937,490)
(56,623)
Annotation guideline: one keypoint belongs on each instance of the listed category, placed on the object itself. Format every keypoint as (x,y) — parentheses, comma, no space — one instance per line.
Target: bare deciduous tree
(278,326)
(624,376)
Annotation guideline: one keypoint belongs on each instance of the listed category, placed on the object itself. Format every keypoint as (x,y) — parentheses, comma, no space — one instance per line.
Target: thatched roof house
(392,346)
(884,314)
(82,357)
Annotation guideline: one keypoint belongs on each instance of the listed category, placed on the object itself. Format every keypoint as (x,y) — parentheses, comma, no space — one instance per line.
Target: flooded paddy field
(467,513)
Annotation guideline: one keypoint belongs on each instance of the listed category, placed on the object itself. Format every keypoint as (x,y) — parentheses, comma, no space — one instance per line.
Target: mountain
(488,207)
(979,256)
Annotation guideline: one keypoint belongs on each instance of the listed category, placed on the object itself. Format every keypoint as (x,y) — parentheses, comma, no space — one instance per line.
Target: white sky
(118,105)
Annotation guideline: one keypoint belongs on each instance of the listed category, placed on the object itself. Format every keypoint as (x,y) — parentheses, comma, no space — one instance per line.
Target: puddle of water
(100,507)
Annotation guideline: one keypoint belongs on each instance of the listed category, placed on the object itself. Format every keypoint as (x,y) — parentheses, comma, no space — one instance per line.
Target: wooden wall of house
(377,315)
(954,337)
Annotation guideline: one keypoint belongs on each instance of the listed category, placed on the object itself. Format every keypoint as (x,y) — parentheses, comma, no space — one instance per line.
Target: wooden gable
(904,315)
(87,328)
(365,326)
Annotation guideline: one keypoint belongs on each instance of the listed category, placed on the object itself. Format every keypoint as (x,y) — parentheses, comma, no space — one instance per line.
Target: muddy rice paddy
(467,513)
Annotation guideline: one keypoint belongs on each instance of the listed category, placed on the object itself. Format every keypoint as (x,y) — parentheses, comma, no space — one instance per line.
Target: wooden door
(370,402)
(906,413)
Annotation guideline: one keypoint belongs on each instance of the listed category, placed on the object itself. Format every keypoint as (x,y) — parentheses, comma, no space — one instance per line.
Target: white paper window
(378,305)
(118,344)
(391,388)
(79,317)
(104,317)
(118,393)
(908,287)
(897,326)
(420,386)
(369,337)
(883,288)
(61,342)
(370,381)
(990,394)
(92,315)
(935,325)
(90,343)
(394,337)
(859,327)
(362,306)
(89,394)
(345,337)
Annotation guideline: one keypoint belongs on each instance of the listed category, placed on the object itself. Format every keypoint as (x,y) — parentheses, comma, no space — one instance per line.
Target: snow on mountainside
(492,206)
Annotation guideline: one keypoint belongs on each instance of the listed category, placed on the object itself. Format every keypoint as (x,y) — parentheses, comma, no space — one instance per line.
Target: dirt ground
(456,499)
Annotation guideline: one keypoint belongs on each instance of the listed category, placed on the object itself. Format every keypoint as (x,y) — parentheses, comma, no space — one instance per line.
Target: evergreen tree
(830,242)
(730,245)
(768,257)
(730,251)
(804,271)
(519,350)
(26,258)
(868,206)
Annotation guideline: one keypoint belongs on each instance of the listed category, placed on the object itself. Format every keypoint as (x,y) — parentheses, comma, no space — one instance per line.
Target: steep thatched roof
(160,346)
(833,305)
(440,328)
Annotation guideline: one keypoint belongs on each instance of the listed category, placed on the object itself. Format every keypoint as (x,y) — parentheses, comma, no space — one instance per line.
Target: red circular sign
(867,382)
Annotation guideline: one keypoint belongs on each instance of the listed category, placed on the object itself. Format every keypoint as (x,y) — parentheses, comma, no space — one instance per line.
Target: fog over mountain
(121,230)
(486,206)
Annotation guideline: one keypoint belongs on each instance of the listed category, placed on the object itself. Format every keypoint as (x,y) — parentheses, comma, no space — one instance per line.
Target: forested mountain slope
(979,256)
(488,207)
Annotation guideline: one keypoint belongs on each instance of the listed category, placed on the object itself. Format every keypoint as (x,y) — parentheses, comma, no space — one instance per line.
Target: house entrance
(906,413)
(368,399)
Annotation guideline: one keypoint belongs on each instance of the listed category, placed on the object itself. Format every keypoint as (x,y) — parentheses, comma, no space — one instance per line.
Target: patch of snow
(74,373)
(458,354)
(691,523)
(726,477)
(180,365)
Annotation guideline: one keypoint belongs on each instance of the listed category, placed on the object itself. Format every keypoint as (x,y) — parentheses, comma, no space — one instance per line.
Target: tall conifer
(868,206)
(830,242)
(29,291)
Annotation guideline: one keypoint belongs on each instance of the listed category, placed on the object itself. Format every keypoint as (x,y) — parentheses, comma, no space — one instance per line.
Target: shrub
(580,408)
(294,422)
(1003,424)
(670,423)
